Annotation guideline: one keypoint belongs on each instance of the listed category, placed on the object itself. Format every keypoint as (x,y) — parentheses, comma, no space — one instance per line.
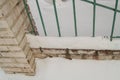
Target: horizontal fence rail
(94,3)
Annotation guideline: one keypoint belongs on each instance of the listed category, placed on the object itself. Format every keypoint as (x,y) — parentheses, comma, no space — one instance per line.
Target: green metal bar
(94,15)
(116,37)
(100,5)
(40,13)
(114,19)
(26,8)
(75,20)
(56,15)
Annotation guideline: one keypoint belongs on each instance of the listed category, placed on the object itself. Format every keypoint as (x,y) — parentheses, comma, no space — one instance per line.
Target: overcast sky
(84,13)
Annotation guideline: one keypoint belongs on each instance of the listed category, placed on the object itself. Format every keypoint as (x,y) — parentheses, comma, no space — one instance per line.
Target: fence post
(40,13)
(114,19)
(75,20)
(26,8)
(94,15)
(56,15)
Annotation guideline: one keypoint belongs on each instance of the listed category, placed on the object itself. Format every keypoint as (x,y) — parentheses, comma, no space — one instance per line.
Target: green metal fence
(94,3)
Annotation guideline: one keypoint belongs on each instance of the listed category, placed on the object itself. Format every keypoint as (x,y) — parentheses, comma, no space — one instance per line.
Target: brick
(31,60)
(75,56)
(6,34)
(14,51)
(42,56)
(8,42)
(3,65)
(9,48)
(26,49)
(15,54)
(116,53)
(3,48)
(23,70)
(13,60)
(22,31)
(2,2)
(116,57)
(29,55)
(20,6)
(14,15)
(14,2)
(3,26)
(17,25)
(14,70)
(20,36)
(7,7)
(23,42)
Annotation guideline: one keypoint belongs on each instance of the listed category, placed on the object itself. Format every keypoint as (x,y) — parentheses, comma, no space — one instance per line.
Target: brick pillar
(15,53)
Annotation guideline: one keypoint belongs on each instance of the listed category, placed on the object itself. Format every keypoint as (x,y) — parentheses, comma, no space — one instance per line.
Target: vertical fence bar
(26,8)
(56,15)
(40,14)
(94,15)
(114,19)
(75,20)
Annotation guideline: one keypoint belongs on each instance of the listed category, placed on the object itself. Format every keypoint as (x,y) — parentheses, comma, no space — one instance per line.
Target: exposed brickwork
(15,54)
(77,53)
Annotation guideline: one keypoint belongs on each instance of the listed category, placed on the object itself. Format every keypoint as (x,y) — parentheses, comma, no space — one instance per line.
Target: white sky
(104,18)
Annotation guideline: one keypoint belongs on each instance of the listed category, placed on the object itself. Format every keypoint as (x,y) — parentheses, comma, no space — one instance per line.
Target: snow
(63,69)
(98,43)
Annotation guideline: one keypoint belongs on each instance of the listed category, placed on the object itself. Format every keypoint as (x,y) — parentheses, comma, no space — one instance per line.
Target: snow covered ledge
(98,48)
